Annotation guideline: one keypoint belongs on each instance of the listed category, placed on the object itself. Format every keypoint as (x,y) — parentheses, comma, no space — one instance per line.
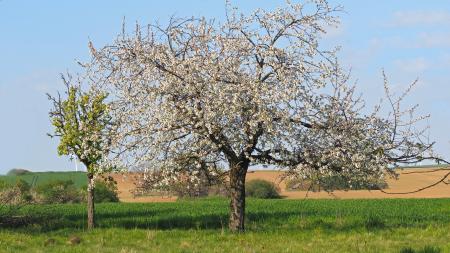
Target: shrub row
(55,192)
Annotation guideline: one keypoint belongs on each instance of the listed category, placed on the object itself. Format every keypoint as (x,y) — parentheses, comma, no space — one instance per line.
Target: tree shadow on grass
(213,214)
(172,219)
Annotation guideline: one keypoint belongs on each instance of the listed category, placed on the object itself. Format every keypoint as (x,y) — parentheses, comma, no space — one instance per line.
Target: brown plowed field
(407,182)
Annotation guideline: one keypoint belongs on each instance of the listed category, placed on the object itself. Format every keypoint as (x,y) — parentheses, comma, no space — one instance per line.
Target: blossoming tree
(82,123)
(256,89)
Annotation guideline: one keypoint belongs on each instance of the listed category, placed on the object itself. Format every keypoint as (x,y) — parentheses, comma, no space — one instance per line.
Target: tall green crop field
(385,225)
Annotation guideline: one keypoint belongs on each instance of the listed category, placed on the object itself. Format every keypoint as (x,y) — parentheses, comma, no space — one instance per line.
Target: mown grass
(39,178)
(388,225)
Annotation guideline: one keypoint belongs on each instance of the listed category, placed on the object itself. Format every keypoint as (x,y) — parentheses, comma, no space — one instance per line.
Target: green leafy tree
(82,122)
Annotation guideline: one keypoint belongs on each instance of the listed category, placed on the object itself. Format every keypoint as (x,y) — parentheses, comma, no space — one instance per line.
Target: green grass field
(388,225)
(79,178)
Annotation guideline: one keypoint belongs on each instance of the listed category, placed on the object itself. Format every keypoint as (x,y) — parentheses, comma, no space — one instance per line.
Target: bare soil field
(409,180)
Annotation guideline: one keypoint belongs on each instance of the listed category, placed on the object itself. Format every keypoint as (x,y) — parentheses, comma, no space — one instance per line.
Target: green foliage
(81,121)
(261,189)
(23,185)
(15,195)
(105,191)
(57,187)
(58,192)
(24,188)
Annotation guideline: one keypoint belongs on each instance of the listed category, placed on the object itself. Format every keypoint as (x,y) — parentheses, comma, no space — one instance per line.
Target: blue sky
(40,39)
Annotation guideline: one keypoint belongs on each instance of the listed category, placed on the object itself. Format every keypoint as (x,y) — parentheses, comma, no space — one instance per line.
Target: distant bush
(106,191)
(16,194)
(10,197)
(11,200)
(24,189)
(261,189)
(58,192)
(17,172)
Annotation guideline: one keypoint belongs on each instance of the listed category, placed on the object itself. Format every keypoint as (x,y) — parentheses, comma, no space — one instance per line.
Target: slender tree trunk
(90,202)
(237,190)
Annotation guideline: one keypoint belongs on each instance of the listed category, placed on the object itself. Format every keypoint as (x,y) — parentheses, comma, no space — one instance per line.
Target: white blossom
(258,88)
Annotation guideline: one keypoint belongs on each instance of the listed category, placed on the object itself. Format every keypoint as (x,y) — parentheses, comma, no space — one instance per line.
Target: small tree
(257,89)
(82,123)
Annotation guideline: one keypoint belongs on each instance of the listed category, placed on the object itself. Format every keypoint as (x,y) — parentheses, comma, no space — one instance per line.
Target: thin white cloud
(433,40)
(419,40)
(419,17)
(415,65)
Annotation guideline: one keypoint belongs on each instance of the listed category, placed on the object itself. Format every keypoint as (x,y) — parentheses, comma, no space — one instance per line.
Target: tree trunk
(90,202)
(237,191)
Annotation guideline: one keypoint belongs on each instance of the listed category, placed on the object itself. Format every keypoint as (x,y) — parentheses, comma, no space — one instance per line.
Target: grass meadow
(383,225)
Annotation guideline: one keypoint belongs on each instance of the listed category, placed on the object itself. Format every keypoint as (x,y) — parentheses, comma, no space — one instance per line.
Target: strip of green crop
(38,178)
(382,225)
(261,214)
